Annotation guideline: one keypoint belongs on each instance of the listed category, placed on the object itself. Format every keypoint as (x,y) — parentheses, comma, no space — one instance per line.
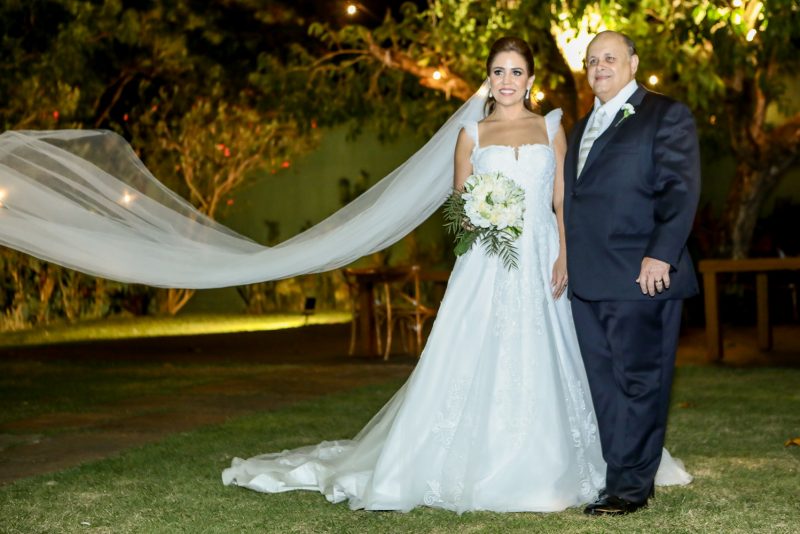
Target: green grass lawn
(33,388)
(183,325)
(728,425)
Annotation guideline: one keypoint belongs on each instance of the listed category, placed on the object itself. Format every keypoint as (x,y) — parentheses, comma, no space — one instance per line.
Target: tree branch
(122,82)
(450,83)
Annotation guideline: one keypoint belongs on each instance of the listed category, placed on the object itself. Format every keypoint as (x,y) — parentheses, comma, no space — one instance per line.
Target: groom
(632,179)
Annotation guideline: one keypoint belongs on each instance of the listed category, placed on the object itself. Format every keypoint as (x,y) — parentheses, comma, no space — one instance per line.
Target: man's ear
(634,63)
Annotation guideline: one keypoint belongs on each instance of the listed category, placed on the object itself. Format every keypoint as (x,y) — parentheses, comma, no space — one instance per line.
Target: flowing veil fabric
(84,200)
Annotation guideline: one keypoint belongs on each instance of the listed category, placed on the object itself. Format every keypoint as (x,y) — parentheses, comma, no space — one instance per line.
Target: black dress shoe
(611,505)
(603,493)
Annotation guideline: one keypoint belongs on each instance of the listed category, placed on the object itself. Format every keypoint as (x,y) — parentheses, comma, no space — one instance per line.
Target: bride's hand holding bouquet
(490,209)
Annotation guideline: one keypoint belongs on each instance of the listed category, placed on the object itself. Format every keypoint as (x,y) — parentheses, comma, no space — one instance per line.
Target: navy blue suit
(636,196)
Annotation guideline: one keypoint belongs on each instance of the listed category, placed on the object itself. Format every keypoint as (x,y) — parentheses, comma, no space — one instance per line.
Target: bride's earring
(490,94)
(527,93)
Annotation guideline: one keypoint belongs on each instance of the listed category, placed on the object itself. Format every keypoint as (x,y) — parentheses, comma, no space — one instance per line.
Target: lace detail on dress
(436,496)
(434,493)
(448,417)
(583,428)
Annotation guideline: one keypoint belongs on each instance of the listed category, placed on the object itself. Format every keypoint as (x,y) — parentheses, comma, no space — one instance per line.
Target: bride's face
(509,78)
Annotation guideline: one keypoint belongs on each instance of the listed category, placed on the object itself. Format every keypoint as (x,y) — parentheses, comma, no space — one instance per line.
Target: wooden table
(365,280)
(761,266)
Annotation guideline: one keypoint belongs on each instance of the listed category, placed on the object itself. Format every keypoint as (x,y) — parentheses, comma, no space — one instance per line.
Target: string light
(351,9)
(539,96)
(737,3)
(437,75)
(737,18)
(653,79)
(751,35)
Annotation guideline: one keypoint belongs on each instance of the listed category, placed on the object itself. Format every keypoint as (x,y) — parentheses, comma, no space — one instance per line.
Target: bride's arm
(559,280)
(462,166)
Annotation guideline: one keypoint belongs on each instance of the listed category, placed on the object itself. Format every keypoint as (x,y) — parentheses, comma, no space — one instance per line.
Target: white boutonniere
(627,111)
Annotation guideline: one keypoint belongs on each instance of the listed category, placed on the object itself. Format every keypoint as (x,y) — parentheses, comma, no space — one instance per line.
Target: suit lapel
(611,131)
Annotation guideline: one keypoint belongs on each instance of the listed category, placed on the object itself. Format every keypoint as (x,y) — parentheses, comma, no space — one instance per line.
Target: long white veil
(84,200)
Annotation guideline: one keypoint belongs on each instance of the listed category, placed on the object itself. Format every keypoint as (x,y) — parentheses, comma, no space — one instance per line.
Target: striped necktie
(588,139)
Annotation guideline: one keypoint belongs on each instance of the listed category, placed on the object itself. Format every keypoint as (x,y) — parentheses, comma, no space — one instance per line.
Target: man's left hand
(654,276)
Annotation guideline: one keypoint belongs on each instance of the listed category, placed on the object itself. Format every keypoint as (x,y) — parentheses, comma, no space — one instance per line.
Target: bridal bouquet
(489,210)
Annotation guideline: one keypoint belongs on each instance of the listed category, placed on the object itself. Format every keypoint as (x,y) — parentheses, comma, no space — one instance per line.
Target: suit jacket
(636,196)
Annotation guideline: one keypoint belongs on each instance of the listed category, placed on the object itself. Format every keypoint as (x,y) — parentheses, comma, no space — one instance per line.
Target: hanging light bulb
(351,9)
(437,75)
(653,79)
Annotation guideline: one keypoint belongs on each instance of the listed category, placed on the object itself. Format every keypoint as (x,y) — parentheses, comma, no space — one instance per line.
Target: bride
(497,414)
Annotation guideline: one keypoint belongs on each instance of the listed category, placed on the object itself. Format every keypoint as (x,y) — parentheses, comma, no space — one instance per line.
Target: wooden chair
(378,308)
(404,310)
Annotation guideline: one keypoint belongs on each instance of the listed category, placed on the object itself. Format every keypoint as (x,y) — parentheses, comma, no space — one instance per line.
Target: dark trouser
(628,349)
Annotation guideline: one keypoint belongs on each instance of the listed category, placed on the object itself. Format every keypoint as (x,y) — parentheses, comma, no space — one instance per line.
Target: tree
(733,62)
(208,151)
(187,83)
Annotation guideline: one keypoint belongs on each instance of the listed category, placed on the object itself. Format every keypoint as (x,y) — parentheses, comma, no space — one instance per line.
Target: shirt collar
(613,106)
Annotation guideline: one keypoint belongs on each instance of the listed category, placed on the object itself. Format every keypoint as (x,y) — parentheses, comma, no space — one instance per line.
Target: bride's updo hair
(509,44)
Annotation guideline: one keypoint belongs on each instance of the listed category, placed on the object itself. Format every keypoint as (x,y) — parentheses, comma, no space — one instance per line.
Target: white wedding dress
(497,414)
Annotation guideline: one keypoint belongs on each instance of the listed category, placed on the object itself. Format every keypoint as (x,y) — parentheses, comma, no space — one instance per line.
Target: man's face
(609,68)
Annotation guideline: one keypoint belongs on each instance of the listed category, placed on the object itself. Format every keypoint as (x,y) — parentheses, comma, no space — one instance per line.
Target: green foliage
(497,243)
(190,85)
(702,48)
(36,293)
(354,83)
(734,63)
(178,78)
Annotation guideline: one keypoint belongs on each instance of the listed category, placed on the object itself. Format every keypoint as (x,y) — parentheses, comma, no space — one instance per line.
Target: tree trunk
(763,153)
(741,212)
(747,193)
